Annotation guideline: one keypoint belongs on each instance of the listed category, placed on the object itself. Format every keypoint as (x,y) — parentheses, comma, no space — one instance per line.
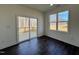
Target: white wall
(8,15)
(72,36)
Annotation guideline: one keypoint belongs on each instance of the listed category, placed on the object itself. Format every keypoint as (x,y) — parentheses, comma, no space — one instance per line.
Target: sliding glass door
(27,28)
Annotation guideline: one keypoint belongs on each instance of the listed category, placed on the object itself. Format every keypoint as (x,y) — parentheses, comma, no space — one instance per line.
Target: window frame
(63,21)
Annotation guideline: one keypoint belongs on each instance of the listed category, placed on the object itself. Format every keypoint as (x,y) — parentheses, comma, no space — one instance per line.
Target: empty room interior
(39,29)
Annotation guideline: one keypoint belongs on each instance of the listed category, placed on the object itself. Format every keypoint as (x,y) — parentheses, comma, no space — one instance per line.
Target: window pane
(52,26)
(63,26)
(63,21)
(63,16)
(53,22)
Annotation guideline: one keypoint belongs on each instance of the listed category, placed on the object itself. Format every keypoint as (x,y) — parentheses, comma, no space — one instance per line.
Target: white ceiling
(40,7)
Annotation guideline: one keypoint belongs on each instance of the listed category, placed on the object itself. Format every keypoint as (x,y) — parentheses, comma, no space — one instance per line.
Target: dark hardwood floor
(41,46)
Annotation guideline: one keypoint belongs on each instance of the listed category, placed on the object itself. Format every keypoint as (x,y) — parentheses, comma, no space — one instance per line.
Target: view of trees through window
(23,24)
(26,24)
(60,21)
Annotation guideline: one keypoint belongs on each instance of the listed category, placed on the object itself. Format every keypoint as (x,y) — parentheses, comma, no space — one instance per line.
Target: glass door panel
(23,28)
(33,27)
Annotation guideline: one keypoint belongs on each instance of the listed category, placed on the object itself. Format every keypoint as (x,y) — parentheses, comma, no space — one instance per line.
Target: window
(63,21)
(59,21)
(53,22)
